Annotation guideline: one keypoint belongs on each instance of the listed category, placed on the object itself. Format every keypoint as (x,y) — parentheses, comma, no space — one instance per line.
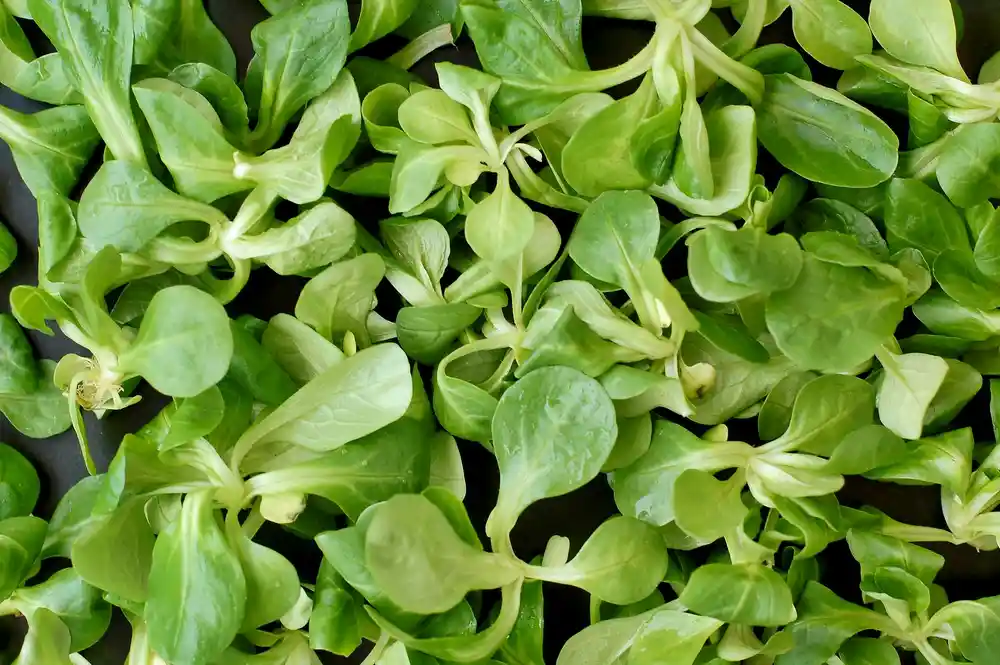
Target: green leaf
(524,644)
(79,606)
(591,307)
(640,639)
(987,252)
(729,334)
(940,460)
(256,371)
(344,550)
(462,648)
(944,316)
(877,552)
(548,452)
(622,562)
(974,625)
(327,132)
(41,413)
(186,419)
(501,225)
(372,179)
(351,399)
(19,484)
(908,386)
(301,351)
(96,50)
(340,298)
(21,540)
(791,475)
(131,305)
(47,641)
(194,571)
(732,143)
(869,200)
(928,123)
(126,207)
(834,318)
(739,383)
(826,410)
(726,266)
(653,144)
(151,23)
(868,651)
(766,59)
(421,563)
(647,489)
(114,552)
(272,583)
(531,46)
(747,594)
(831,32)
(379,18)
(422,248)
(917,216)
(823,136)
(50,148)
(865,449)
(219,89)
(190,139)
(560,338)
(374,468)
(19,371)
(463,409)
(427,334)
(967,166)
(841,217)
(825,622)
(707,509)
(555,130)
(616,236)
(43,79)
(432,14)
(314,239)
(447,472)
(921,33)
(72,516)
(193,38)
(8,248)
(297,55)
(599,155)
(372,72)
(380,111)
(418,172)
(337,618)
(816,522)
(184,343)
(897,590)
(776,412)
(961,384)
(432,117)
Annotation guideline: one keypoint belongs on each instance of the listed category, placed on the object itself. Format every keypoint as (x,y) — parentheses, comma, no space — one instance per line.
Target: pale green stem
(376,652)
(252,211)
(76,418)
(591,81)
(745,79)
(930,653)
(495,381)
(749,32)
(422,46)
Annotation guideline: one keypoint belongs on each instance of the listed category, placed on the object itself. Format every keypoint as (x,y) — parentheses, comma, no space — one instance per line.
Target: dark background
(967,574)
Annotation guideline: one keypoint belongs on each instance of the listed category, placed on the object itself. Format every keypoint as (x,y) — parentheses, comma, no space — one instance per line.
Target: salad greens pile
(590,288)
